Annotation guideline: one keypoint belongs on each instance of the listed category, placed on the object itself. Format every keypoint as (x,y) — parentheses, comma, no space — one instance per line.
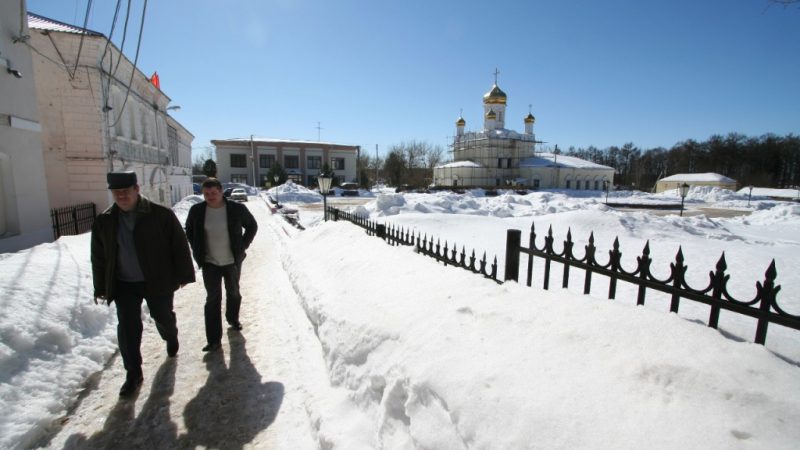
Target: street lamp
(277,178)
(605,188)
(324,181)
(750,194)
(684,191)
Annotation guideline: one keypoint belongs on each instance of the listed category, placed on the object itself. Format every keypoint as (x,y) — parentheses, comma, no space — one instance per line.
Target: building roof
(38,22)
(569,162)
(460,164)
(699,177)
(262,140)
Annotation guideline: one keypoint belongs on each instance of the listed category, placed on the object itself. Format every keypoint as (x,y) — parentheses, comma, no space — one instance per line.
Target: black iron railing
(72,220)
(763,307)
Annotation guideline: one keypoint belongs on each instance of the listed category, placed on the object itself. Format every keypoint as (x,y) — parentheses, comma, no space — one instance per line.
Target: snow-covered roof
(38,22)
(699,177)
(553,160)
(282,141)
(460,164)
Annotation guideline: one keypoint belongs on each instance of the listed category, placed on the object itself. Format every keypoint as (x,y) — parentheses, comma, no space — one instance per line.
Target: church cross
(496,72)
(318,127)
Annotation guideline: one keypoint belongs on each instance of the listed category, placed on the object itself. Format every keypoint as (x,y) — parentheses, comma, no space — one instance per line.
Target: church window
(238,160)
(536,183)
(569,184)
(596,185)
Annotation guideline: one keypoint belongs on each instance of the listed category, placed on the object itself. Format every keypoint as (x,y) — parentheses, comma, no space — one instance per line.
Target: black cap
(121,180)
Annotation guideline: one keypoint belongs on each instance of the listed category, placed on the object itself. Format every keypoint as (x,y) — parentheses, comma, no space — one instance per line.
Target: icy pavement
(241,397)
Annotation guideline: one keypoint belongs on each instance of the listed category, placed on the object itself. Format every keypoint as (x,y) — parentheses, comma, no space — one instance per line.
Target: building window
(536,183)
(238,178)
(238,160)
(499,163)
(508,163)
(497,181)
(172,144)
(596,185)
(291,161)
(266,161)
(315,162)
(337,163)
(569,184)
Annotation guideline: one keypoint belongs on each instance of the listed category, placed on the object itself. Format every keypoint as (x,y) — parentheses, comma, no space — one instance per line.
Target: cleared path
(258,392)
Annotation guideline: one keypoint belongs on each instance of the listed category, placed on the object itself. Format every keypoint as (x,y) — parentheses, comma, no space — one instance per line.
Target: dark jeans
(212,279)
(129,321)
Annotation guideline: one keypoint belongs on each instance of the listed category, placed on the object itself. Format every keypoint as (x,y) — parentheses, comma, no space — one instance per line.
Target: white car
(239,195)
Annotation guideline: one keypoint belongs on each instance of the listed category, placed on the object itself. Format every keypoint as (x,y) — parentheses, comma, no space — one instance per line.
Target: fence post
(380,231)
(513,239)
(767,291)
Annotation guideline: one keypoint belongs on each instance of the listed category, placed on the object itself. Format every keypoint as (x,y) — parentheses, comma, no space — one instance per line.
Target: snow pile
(290,192)
(470,364)
(52,335)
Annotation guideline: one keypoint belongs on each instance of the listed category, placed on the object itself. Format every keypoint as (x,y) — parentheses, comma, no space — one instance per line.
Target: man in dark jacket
(139,251)
(214,228)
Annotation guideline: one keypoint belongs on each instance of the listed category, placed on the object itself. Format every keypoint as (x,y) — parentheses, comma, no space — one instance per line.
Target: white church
(498,157)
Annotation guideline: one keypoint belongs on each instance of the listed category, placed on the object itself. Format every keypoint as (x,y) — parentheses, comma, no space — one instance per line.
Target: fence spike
(646,250)
(771,272)
(591,238)
(722,265)
(569,234)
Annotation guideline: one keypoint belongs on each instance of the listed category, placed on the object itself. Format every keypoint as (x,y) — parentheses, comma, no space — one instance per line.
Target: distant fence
(447,254)
(72,220)
(764,307)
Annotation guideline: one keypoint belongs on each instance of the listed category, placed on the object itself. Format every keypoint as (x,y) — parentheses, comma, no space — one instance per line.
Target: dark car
(227,192)
(349,189)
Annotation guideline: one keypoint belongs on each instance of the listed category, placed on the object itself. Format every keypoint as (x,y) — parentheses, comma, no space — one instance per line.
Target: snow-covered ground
(413,354)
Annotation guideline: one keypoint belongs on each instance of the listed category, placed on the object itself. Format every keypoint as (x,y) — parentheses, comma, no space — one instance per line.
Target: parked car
(227,192)
(349,189)
(239,195)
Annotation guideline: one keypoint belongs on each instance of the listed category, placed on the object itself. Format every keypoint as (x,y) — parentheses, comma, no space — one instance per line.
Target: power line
(83,34)
(133,69)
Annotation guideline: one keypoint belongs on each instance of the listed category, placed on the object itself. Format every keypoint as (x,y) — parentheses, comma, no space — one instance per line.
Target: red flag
(154,79)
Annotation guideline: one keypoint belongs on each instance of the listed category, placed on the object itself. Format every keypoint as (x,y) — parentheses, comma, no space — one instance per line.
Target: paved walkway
(252,394)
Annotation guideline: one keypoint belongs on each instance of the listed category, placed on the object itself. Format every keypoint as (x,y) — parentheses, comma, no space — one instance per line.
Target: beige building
(695,179)
(496,156)
(247,159)
(99,113)
(24,206)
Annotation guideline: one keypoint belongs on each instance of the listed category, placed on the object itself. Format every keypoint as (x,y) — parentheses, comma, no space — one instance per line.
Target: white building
(247,159)
(99,113)
(497,156)
(695,179)
(24,206)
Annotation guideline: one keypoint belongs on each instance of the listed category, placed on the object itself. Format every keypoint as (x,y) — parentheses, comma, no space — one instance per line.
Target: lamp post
(324,181)
(277,178)
(684,191)
(605,188)
(749,195)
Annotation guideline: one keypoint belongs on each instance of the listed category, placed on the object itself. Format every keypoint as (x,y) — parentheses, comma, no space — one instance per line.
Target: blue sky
(596,73)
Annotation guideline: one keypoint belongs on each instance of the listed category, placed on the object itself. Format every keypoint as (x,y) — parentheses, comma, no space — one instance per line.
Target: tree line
(766,161)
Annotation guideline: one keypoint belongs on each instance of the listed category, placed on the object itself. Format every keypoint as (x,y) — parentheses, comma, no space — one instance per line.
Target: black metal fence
(763,307)
(72,220)
(447,254)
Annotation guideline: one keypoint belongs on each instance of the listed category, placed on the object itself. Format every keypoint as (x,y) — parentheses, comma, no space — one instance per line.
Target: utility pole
(376,164)
(253,160)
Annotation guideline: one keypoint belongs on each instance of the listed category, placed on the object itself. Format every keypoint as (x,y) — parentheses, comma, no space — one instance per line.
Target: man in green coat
(139,251)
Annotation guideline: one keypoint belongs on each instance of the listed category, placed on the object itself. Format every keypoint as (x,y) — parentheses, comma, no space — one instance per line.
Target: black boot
(132,383)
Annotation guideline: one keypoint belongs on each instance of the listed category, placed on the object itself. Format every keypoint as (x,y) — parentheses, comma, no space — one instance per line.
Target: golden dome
(461,122)
(530,118)
(491,114)
(495,96)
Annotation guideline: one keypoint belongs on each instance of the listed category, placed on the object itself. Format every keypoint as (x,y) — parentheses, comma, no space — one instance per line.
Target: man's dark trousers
(129,318)
(212,279)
